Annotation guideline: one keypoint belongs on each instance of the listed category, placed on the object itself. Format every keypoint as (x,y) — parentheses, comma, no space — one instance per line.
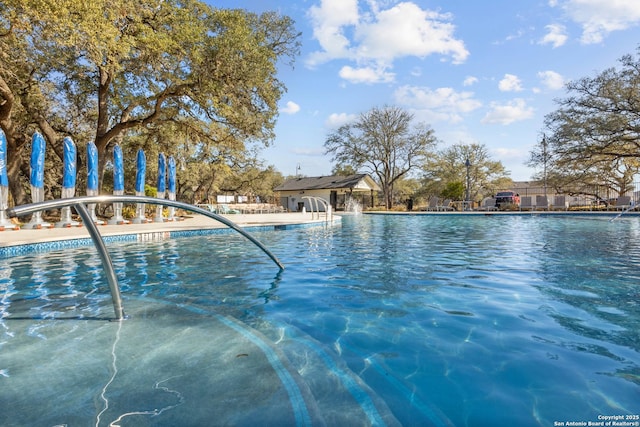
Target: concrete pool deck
(26,236)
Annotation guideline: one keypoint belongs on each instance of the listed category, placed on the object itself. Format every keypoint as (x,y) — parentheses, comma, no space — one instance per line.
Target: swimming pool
(396,320)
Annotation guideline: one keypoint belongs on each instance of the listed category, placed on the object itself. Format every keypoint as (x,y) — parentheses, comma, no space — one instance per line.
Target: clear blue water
(449,320)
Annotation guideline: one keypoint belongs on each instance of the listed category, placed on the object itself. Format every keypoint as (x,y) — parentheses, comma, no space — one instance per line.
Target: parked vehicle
(507,198)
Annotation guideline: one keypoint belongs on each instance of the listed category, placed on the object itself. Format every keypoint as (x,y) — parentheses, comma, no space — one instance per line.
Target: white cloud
(551,79)
(365,75)
(510,83)
(376,37)
(335,120)
(470,80)
(441,104)
(290,108)
(556,35)
(407,30)
(508,113)
(598,18)
(329,21)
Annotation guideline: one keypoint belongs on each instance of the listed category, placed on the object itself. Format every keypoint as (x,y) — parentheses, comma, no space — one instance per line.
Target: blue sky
(482,72)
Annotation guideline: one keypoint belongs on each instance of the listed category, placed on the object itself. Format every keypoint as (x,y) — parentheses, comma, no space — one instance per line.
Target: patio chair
(488,204)
(445,206)
(622,203)
(433,204)
(542,203)
(559,203)
(526,203)
(225,210)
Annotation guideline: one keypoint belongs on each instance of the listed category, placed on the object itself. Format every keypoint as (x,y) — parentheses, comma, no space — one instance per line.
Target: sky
(483,72)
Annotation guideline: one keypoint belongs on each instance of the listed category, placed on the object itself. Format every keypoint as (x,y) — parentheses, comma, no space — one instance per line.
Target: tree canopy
(110,71)
(594,135)
(447,170)
(384,142)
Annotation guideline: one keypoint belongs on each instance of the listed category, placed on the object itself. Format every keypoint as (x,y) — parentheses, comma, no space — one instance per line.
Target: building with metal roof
(336,190)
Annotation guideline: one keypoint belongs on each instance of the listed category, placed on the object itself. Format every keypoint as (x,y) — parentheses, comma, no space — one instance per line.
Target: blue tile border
(28,248)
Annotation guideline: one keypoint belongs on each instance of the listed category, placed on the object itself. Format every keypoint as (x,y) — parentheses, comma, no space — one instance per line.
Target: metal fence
(590,198)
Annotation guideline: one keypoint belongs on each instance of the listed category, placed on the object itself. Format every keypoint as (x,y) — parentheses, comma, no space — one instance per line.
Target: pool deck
(25,236)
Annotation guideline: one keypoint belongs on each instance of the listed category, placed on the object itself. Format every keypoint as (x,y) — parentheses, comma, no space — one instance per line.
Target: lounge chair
(225,210)
(433,204)
(559,203)
(488,204)
(622,203)
(445,206)
(526,203)
(542,203)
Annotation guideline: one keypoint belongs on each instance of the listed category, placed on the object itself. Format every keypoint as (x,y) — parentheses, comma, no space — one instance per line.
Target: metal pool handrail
(79,203)
(630,208)
(318,200)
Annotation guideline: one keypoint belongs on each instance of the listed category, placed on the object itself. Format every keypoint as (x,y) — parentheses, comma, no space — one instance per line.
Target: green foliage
(150,191)
(128,211)
(140,73)
(448,166)
(453,190)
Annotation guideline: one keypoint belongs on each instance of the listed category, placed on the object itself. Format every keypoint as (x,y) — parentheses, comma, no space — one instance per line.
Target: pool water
(389,319)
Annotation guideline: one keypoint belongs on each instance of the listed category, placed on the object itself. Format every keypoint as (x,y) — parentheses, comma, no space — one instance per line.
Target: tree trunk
(388,196)
(14,164)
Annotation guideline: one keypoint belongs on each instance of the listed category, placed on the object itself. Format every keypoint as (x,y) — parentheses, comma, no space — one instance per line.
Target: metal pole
(107,265)
(467,164)
(544,157)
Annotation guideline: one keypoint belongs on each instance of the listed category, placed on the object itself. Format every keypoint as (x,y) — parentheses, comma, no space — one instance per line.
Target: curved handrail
(317,201)
(59,203)
(630,208)
(79,204)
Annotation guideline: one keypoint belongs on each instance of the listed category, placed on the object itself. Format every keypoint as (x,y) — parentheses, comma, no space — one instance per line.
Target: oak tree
(109,70)
(593,137)
(384,142)
(449,165)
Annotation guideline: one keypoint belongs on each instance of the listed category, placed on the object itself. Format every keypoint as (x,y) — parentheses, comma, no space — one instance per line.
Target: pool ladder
(79,203)
(314,204)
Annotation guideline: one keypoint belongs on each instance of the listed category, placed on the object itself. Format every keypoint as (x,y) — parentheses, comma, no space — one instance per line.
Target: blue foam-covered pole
(4,184)
(92,179)
(69,155)
(118,184)
(4,180)
(118,170)
(172,186)
(141,164)
(69,164)
(92,168)
(38,147)
(172,175)
(162,182)
(141,170)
